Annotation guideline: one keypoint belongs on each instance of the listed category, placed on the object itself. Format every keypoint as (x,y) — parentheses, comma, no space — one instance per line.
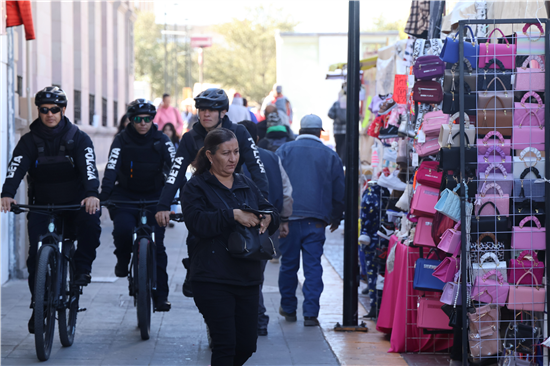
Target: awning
(365,64)
(20,12)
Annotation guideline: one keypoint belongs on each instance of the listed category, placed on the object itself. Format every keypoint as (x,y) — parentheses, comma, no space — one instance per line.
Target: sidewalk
(107,333)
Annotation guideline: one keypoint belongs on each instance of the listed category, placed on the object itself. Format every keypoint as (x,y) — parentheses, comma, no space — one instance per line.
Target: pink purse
(487,142)
(450,290)
(530,78)
(506,53)
(524,136)
(423,233)
(496,155)
(500,200)
(433,122)
(500,176)
(529,298)
(429,175)
(526,262)
(424,200)
(450,240)
(448,267)
(430,316)
(430,147)
(531,238)
(490,291)
(523,109)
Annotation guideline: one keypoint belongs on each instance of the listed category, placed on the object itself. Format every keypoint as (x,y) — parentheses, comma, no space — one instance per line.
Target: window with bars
(104,111)
(91,108)
(77,107)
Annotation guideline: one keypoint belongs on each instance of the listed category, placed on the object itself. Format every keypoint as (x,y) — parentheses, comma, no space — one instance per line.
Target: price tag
(421,137)
(411,81)
(415,159)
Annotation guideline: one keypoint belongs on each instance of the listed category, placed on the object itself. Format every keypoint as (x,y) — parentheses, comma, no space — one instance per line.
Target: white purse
(449,133)
(481,268)
(523,161)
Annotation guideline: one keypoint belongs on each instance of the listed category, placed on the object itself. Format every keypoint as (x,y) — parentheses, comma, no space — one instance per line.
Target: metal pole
(165,56)
(351,280)
(546,164)
(28,82)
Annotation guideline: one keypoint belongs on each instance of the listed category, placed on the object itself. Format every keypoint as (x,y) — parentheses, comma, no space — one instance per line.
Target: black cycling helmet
(140,106)
(51,95)
(213,98)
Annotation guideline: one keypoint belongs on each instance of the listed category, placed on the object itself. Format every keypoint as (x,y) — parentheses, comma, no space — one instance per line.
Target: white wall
(4,247)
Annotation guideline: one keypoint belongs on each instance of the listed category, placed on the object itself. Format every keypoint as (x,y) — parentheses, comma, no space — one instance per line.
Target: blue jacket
(274,178)
(317,178)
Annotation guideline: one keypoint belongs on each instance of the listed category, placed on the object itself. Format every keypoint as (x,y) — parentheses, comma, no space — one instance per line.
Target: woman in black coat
(225,288)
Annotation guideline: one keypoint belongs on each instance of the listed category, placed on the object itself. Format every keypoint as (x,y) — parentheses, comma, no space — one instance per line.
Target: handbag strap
(483,206)
(526,253)
(498,150)
(221,198)
(531,94)
(433,250)
(531,150)
(531,112)
(456,134)
(530,218)
(531,169)
(495,166)
(501,83)
(471,33)
(495,134)
(488,186)
(489,38)
(531,58)
(493,272)
(466,62)
(494,61)
(456,116)
(484,235)
(528,25)
(525,274)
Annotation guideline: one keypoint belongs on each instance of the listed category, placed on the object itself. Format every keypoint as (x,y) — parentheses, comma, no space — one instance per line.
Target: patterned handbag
(480,248)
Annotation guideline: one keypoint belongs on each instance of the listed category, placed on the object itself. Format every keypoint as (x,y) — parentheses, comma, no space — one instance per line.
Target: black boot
(162,304)
(186,287)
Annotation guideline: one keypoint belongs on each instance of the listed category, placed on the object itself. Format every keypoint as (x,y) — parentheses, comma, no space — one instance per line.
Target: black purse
(489,224)
(521,336)
(451,179)
(449,157)
(451,103)
(487,79)
(526,208)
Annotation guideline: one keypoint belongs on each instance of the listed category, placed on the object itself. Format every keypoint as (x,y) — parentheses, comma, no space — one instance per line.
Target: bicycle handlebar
(136,203)
(17,208)
(177,217)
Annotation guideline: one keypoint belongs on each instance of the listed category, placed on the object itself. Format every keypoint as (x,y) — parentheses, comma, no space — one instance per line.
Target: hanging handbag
(489,290)
(450,50)
(496,173)
(433,121)
(427,91)
(451,101)
(494,155)
(423,275)
(530,238)
(424,200)
(511,358)
(430,147)
(528,207)
(450,80)
(527,261)
(500,201)
(448,130)
(452,177)
(530,43)
(489,224)
(440,224)
(428,67)
(449,157)
(527,187)
(483,266)
(493,138)
(521,334)
(506,53)
(429,314)
(523,161)
(429,175)
(450,290)
(449,203)
(450,240)
(447,269)
(486,78)
(496,112)
(423,233)
(482,331)
(530,78)
(480,247)
(528,136)
(530,298)
(524,112)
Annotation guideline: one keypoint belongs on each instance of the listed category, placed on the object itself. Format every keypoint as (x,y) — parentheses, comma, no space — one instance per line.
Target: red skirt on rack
(399,302)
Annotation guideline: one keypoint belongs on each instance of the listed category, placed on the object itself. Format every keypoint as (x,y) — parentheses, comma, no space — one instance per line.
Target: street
(107,332)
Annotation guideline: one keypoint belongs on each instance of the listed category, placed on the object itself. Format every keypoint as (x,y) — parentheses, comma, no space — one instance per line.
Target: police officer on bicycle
(212,106)
(139,157)
(60,161)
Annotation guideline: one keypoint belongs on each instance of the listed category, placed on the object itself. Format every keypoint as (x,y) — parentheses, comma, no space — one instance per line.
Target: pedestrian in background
(317,177)
(166,113)
(122,123)
(189,114)
(252,115)
(280,196)
(225,288)
(170,131)
(338,113)
(277,134)
(237,111)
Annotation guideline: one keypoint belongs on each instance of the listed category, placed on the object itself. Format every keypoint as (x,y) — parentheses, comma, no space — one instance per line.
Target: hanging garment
(507,9)
(436,13)
(385,70)
(370,223)
(419,19)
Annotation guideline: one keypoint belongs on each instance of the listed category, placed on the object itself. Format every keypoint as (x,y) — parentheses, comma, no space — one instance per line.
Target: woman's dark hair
(212,142)
(174,137)
(121,123)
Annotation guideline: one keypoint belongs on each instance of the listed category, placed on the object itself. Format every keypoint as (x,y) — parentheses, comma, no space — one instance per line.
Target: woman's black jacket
(211,222)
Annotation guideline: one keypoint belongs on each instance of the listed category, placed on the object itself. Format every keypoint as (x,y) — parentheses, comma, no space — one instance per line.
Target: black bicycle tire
(67,315)
(144,290)
(43,336)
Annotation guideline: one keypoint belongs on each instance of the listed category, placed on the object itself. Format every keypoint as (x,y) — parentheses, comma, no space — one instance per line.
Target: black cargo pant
(79,225)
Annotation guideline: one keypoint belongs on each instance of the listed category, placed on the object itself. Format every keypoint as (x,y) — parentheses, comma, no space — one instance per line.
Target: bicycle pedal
(81,310)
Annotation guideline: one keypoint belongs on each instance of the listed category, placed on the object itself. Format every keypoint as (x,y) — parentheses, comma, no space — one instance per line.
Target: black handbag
(486,77)
(528,207)
(449,157)
(247,242)
(451,103)
(452,177)
(520,335)
(489,224)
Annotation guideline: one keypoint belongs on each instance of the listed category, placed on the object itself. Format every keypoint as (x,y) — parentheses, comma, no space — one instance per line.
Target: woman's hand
(163,218)
(247,219)
(266,220)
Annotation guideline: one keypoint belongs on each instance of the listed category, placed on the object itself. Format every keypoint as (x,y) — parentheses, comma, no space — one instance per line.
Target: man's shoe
(31,323)
(288,317)
(82,279)
(162,305)
(311,321)
(262,332)
(121,269)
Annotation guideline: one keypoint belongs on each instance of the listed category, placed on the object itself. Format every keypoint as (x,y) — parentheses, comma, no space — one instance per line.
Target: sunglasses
(45,110)
(138,119)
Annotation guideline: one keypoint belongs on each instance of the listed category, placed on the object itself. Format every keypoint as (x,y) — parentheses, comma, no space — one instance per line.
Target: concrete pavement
(107,333)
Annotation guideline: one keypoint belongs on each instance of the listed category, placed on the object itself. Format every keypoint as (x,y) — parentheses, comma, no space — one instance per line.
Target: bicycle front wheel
(44,301)
(68,310)
(144,289)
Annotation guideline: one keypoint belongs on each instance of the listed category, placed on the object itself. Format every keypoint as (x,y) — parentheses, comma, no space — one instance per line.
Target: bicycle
(54,288)
(142,271)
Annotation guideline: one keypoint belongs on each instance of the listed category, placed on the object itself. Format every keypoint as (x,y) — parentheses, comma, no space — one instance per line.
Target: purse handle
(534,277)
(531,58)
(501,83)
(531,169)
(527,26)
(493,272)
(457,276)
(495,166)
(494,185)
(494,61)
(489,38)
(531,94)
(489,101)
(531,150)
(452,137)
(530,253)
(536,116)
(498,150)
(496,134)
(456,116)
(530,218)
(466,62)
(477,215)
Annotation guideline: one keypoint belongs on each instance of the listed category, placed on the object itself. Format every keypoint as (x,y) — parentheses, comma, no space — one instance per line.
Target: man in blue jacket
(317,177)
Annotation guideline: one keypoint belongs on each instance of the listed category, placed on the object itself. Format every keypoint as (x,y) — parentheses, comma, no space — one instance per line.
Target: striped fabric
(530,44)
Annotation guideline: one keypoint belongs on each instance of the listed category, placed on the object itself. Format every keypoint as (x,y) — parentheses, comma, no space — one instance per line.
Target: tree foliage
(382,24)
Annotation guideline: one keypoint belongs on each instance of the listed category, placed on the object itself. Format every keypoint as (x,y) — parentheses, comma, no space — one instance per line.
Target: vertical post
(352,171)
(165,55)
(201,62)
(28,82)
(11,141)
(546,164)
